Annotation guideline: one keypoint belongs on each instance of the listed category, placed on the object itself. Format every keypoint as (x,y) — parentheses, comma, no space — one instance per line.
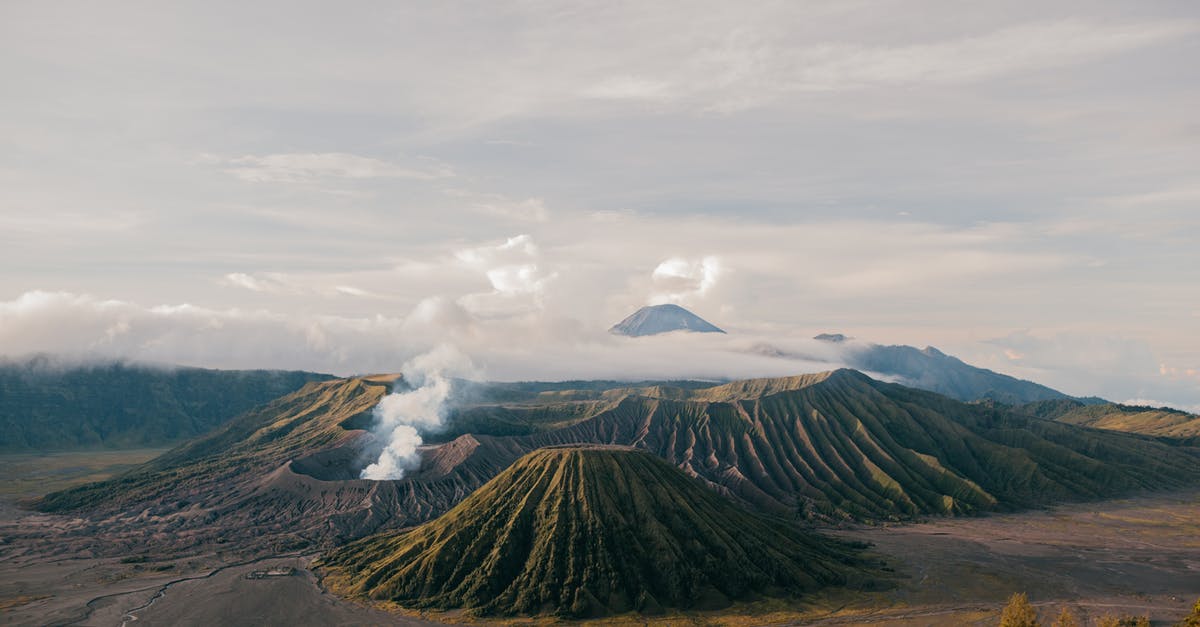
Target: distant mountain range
(46,406)
(933,370)
(830,446)
(595,531)
(926,369)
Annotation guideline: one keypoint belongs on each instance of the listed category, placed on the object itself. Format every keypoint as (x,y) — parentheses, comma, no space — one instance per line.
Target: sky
(344,187)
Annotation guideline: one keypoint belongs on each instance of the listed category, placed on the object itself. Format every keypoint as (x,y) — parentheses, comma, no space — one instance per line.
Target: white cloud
(278,283)
(306,167)
(514,272)
(519,348)
(677,280)
(267,282)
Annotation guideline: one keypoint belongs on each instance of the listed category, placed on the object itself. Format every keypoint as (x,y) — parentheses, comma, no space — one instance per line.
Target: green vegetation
(1065,619)
(829,447)
(1160,422)
(1019,612)
(25,475)
(1193,619)
(587,532)
(840,445)
(48,407)
(252,444)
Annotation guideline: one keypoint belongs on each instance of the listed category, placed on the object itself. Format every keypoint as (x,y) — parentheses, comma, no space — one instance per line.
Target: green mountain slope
(118,405)
(588,532)
(1161,421)
(239,454)
(827,447)
(842,445)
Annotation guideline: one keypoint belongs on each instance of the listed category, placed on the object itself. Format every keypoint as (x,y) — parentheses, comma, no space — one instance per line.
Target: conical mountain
(655,319)
(589,531)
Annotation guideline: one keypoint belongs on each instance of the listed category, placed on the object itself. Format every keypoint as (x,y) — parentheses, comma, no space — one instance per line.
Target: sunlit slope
(587,532)
(1161,421)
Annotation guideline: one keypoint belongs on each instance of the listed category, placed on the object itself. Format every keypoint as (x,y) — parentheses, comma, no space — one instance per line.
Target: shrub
(1065,619)
(1019,612)
(1193,619)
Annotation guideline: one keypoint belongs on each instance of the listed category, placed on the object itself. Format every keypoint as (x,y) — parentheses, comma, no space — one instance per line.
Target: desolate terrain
(1137,555)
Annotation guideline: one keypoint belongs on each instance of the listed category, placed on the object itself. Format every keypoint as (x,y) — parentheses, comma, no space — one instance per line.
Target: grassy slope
(255,442)
(589,531)
(832,446)
(126,406)
(842,445)
(1160,422)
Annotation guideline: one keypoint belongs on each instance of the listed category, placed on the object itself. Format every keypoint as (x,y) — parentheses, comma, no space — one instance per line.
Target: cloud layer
(1014,183)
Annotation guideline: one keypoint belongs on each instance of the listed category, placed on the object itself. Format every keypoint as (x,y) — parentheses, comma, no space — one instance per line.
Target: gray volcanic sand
(229,598)
(1138,556)
(1130,556)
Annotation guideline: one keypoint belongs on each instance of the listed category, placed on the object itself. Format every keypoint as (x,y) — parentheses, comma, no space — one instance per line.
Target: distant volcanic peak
(836,338)
(655,319)
(596,531)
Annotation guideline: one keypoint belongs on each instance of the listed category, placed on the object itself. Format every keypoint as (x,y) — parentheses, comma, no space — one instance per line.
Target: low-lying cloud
(541,346)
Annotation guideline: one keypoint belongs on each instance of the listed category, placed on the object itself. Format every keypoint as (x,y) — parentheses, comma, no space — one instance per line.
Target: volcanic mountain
(655,319)
(930,369)
(826,447)
(51,406)
(590,531)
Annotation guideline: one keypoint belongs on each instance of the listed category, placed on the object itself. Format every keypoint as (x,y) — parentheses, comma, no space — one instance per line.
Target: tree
(1065,619)
(1019,612)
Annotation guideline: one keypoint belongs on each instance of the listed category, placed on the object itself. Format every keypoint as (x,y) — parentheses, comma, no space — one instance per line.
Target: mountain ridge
(831,447)
(49,406)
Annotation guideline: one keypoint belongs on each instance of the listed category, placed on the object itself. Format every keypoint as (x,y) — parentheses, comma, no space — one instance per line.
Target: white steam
(402,418)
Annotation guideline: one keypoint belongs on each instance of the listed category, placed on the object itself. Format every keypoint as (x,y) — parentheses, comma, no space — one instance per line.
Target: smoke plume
(402,418)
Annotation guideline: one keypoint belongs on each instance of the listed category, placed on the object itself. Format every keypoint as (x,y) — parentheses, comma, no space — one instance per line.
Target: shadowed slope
(119,405)
(586,532)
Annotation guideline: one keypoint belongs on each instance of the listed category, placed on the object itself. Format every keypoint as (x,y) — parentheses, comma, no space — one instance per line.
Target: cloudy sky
(308,185)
